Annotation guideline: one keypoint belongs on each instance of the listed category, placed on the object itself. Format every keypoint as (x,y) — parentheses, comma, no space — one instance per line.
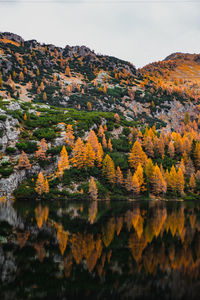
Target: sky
(138,31)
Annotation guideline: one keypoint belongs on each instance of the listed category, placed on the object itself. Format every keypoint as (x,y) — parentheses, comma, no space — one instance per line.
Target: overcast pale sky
(137,31)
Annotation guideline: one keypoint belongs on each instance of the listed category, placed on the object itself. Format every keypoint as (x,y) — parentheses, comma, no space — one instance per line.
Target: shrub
(47,133)
(28,147)
(3,118)
(6,172)
(25,192)
(10,150)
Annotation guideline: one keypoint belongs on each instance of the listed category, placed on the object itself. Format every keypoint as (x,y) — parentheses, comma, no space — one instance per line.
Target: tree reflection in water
(124,250)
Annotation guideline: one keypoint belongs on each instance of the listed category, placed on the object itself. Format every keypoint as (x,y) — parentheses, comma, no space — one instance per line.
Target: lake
(100,250)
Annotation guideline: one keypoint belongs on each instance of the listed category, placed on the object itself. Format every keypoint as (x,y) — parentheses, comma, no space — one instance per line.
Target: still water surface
(100,250)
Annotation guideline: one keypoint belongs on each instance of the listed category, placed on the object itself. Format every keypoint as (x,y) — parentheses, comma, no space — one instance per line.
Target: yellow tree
(117,118)
(192,183)
(104,142)
(171,149)
(93,191)
(42,185)
(42,86)
(110,145)
(129,181)
(158,182)
(197,175)
(69,136)
(89,106)
(197,155)
(119,176)
(109,169)
(139,175)
(42,148)
(46,186)
(21,76)
(90,155)
(93,140)
(135,185)
(78,154)
(99,155)
(180,182)
(172,182)
(60,171)
(148,145)
(64,159)
(182,166)
(63,162)
(100,131)
(44,96)
(137,156)
(149,169)
(67,71)
(24,161)
(159,146)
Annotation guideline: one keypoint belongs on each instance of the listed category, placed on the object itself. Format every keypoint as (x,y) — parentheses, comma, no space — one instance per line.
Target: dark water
(120,250)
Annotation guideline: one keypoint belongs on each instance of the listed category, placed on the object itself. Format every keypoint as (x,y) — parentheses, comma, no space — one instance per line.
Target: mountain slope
(77,77)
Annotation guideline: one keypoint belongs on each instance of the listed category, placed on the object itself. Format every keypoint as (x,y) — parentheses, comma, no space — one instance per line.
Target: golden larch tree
(21,76)
(69,136)
(100,131)
(180,182)
(89,106)
(24,161)
(197,155)
(46,186)
(119,176)
(67,71)
(99,156)
(44,96)
(42,185)
(171,149)
(104,142)
(117,118)
(129,181)
(158,182)
(110,148)
(148,146)
(90,155)
(192,183)
(172,179)
(139,174)
(64,159)
(108,168)
(135,185)
(137,156)
(149,169)
(42,148)
(93,140)
(78,154)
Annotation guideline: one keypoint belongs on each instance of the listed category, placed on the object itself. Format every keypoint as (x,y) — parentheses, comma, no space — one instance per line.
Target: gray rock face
(11,131)
(14,106)
(8,185)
